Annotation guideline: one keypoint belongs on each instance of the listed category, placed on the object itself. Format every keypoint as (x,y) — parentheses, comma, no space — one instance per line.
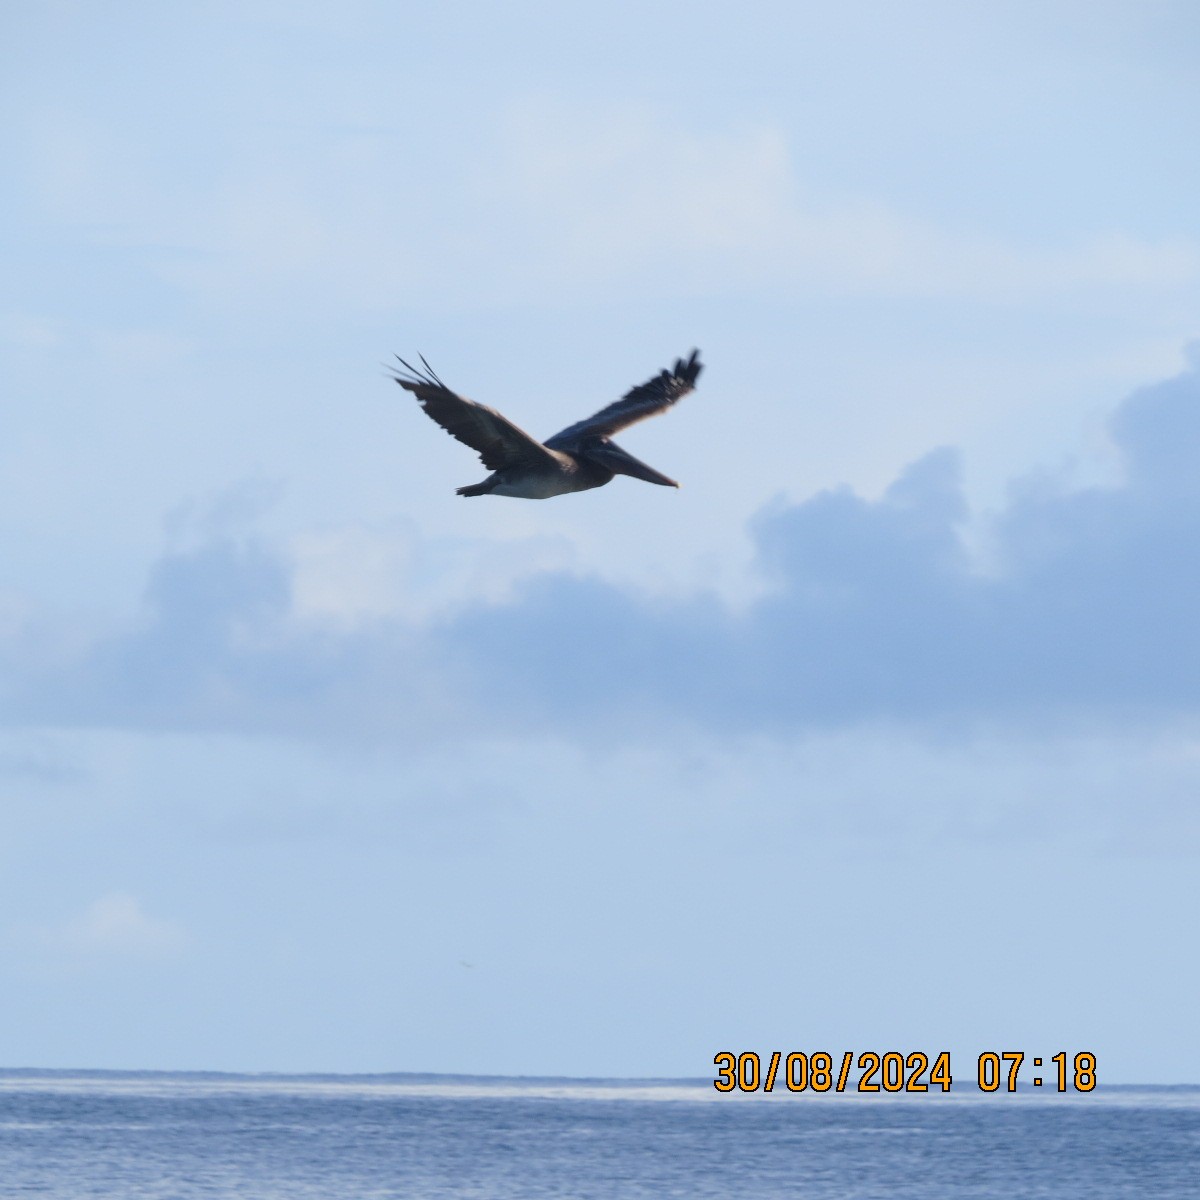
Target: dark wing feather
(499,442)
(646,400)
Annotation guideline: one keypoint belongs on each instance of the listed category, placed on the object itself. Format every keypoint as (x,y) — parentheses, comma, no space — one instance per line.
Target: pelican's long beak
(623,463)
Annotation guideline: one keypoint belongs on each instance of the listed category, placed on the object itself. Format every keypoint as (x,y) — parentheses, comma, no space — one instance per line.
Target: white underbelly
(539,487)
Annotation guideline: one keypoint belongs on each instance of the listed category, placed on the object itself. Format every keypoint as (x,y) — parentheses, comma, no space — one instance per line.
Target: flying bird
(580,457)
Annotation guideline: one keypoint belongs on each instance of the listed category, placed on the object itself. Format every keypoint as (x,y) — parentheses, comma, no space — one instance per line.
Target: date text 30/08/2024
(895,1072)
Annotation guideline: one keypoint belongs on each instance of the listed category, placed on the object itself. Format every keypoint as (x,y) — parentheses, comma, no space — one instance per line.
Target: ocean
(131,1135)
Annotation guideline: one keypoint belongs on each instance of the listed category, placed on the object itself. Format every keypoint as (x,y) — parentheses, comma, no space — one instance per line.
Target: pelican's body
(570,474)
(580,457)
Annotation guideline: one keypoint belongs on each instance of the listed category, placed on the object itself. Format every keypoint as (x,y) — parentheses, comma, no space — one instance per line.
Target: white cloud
(358,573)
(630,194)
(28,332)
(571,198)
(115,925)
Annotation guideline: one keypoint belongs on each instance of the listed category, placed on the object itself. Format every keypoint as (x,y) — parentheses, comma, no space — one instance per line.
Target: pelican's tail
(476,489)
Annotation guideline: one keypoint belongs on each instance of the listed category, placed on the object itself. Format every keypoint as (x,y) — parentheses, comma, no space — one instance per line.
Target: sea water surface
(187,1136)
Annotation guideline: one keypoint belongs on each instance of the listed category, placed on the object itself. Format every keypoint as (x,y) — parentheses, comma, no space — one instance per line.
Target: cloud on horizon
(112,927)
(876,611)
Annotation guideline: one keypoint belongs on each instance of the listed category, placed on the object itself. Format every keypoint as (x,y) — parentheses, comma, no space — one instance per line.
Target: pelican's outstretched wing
(646,400)
(499,442)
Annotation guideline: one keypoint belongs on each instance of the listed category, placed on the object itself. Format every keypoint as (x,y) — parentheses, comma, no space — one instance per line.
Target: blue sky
(881,733)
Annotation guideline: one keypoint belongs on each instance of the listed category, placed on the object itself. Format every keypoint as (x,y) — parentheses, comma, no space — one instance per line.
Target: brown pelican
(578,458)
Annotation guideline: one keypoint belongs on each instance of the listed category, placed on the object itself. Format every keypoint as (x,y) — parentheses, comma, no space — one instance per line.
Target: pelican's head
(621,462)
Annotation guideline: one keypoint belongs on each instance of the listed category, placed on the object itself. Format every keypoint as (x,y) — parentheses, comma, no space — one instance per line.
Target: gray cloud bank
(876,611)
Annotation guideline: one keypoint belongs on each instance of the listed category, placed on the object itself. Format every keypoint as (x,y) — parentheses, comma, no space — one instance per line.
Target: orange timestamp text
(916,1071)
